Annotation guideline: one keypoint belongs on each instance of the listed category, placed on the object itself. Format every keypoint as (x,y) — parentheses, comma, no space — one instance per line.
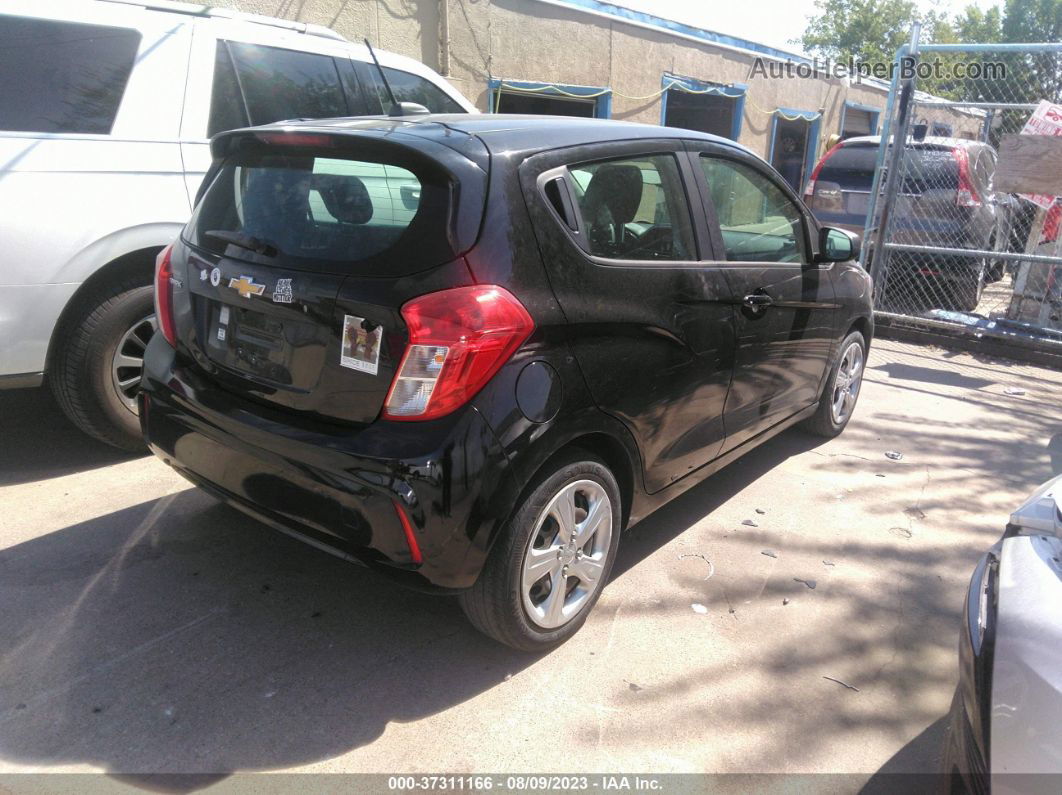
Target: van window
(634,209)
(227,111)
(283,84)
(411,88)
(63,77)
(303,209)
(759,223)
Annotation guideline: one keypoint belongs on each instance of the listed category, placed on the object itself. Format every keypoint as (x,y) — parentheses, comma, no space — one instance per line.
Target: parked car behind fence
(946,200)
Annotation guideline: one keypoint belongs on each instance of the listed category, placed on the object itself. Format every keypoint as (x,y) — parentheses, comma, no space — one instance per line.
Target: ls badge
(246,286)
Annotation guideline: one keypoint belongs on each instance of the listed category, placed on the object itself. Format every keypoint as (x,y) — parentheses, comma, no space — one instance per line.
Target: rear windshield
(308,210)
(850,164)
(924,166)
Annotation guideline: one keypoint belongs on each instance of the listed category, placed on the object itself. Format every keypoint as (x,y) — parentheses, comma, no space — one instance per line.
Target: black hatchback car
(468,351)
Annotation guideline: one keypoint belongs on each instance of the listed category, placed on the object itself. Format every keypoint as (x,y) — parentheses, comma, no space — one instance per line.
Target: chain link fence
(960,231)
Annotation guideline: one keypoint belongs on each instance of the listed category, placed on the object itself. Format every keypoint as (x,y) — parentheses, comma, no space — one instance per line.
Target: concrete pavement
(145,628)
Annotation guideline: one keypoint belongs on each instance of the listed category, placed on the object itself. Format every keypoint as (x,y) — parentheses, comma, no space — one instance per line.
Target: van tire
(964,294)
(495,604)
(80,370)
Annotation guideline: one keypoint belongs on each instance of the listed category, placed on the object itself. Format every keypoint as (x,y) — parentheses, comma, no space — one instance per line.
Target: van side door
(786,312)
(649,318)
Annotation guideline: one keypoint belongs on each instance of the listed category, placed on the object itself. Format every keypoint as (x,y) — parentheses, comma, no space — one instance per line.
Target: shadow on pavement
(915,767)
(39,442)
(179,635)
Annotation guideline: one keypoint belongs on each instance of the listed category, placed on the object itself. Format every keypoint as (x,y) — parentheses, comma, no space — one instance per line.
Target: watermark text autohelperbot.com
(907,68)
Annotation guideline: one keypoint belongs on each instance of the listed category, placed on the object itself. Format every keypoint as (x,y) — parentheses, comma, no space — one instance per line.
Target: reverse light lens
(458,340)
(164,295)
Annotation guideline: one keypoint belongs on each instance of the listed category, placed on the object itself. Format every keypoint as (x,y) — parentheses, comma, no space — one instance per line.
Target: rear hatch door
(301,253)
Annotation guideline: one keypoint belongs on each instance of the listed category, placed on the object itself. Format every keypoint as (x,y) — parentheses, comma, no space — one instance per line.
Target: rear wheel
(842,389)
(95,374)
(546,571)
(964,294)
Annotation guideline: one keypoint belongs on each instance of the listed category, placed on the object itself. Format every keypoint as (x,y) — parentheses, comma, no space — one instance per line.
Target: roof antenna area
(396,109)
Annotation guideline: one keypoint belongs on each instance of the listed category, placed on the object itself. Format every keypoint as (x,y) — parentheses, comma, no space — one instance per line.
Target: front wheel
(546,570)
(841,392)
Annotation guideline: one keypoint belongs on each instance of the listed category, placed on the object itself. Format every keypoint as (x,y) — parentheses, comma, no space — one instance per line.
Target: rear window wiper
(255,244)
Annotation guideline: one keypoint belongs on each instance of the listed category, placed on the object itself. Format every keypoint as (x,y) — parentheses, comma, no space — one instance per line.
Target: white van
(106,111)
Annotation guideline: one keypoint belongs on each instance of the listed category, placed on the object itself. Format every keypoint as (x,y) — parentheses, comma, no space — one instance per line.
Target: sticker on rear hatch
(282,292)
(361,346)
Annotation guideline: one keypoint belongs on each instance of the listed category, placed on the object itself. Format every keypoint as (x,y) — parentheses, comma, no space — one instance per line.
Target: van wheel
(552,559)
(841,392)
(96,370)
(964,294)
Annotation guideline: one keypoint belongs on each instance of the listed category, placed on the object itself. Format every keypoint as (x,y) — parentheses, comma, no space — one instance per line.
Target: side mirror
(837,245)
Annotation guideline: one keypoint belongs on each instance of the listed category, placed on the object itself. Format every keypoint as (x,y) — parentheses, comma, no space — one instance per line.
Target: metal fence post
(893,177)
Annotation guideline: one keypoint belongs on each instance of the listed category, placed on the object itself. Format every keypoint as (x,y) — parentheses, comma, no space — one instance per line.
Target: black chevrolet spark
(469,351)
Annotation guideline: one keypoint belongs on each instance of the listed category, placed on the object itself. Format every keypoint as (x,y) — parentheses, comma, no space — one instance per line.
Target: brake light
(458,340)
(966,196)
(295,139)
(809,191)
(164,295)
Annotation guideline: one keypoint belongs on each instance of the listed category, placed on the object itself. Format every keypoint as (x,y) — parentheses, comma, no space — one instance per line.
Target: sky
(771,22)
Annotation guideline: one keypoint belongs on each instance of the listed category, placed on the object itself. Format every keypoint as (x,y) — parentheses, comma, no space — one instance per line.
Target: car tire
(85,366)
(512,605)
(851,357)
(964,294)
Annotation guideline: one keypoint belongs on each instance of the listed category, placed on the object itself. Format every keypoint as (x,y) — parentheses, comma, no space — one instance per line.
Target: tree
(974,25)
(869,31)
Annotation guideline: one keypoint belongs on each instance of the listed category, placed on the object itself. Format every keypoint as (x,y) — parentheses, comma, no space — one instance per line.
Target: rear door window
(63,77)
(634,208)
(280,84)
(326,211)
(758,221)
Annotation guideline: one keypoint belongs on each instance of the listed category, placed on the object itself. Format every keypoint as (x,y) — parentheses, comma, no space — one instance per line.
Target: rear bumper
(337,487)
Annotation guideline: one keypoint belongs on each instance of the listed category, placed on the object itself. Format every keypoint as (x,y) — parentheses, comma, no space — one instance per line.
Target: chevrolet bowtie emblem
(246,287)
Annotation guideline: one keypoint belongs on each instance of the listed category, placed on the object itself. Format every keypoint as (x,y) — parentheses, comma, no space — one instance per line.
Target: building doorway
(549,99)
(791,150)
(538,104)
(716,114)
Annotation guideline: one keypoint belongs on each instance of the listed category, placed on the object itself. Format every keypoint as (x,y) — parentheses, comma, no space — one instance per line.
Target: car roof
(510,133)
(930,140)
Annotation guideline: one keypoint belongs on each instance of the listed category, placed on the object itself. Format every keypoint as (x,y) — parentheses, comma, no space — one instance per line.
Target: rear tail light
(458,340)
(966,196)
(828,198)
(164,295)
(809,191)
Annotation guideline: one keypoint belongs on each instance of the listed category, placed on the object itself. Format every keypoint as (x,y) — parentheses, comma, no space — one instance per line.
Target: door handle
(757,300)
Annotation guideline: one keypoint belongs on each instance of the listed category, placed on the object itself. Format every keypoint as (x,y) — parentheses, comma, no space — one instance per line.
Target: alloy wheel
(127,364)
(846,386)
(566,556)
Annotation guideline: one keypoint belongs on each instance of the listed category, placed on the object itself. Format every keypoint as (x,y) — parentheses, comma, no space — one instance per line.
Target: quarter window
(759,223)
(411,88)
(634,209)
(63,77)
